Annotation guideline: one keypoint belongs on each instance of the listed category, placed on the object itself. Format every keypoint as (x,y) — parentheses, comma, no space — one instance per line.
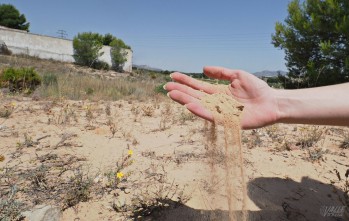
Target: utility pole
(62,34)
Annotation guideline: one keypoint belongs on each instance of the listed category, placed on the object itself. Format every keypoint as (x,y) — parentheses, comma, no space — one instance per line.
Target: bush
(118,54)
(160,89)
(152,75)
(19,80)
(86,48)
(89,91)
(101,65)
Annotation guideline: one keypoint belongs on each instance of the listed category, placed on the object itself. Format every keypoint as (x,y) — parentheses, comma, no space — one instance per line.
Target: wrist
(284,105)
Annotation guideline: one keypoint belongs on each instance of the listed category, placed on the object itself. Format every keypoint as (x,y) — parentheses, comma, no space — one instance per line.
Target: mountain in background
(265,73)
(269,73)
(146,67)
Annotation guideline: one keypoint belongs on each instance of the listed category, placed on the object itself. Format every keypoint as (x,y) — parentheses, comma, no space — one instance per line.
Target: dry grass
(345,142)
(310,136)
(148,110)
(74,87)
(49,178)
(7,109)
(150,195)
(79,83)
(186,116)
(10,209)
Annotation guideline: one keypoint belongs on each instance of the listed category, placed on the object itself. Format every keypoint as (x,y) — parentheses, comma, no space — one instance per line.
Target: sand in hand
(226,160)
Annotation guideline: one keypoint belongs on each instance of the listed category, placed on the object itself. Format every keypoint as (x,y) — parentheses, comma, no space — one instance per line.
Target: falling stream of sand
(227,111)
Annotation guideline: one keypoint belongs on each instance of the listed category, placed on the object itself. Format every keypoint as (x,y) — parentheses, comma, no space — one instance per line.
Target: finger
(199,110)
(185,89)
(195,84)
(182,98)
(221,73)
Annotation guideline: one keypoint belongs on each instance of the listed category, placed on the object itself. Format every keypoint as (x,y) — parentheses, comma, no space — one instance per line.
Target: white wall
(22,42)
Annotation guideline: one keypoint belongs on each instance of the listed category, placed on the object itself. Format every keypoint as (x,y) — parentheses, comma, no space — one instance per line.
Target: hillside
(146,67)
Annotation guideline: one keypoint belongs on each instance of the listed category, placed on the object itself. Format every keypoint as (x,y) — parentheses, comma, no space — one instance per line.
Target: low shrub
(160,89)
(20,80)
(100,65)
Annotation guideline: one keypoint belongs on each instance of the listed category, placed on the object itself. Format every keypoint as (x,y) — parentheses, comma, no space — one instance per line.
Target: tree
(86,48)
(10,17)
(315,37)
(107,39)
(118,54)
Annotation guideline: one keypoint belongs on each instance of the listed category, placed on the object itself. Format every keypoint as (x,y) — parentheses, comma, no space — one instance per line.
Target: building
(46,47)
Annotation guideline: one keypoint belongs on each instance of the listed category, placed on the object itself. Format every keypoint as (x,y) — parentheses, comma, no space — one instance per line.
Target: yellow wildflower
(130,152)
(119,175)
(13,104)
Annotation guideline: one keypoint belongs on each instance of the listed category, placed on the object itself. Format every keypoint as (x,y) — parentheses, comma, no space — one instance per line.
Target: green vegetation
(118,54)
(109,40)
(20,79)
(87,46)
(61,80)
(10,17)
(315,39)
(273,81)
(160,89)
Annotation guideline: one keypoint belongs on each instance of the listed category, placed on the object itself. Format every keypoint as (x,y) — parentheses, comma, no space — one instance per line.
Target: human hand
(260,106)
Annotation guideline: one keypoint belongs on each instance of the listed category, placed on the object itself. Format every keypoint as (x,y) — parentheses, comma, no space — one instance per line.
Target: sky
(175,35)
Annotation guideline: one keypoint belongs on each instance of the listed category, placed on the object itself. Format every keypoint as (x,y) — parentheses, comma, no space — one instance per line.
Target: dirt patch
(47,145)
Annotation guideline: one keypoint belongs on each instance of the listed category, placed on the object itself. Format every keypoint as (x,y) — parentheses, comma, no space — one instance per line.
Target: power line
(62,34)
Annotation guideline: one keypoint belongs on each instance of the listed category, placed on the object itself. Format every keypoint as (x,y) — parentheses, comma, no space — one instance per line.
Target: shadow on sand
(278,199)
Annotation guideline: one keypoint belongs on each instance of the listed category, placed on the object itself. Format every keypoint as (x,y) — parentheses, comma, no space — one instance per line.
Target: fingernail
(164,87)
(168,94)
(170,75)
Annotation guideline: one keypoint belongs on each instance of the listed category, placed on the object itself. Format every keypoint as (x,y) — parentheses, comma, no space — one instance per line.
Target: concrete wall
(22,42)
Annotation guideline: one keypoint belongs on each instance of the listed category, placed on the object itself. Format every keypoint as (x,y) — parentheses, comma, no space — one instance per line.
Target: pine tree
(10,17)
(315,38)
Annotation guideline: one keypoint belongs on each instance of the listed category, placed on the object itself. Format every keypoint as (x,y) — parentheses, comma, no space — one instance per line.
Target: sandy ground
(290,169)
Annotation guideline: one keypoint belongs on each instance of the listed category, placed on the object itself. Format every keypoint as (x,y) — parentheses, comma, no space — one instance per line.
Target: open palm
(257,97)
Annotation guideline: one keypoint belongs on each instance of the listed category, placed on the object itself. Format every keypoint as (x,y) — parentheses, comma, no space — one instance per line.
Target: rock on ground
(43,213)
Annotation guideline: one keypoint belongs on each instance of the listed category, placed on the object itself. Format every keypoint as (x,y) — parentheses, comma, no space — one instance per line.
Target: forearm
(322,105)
